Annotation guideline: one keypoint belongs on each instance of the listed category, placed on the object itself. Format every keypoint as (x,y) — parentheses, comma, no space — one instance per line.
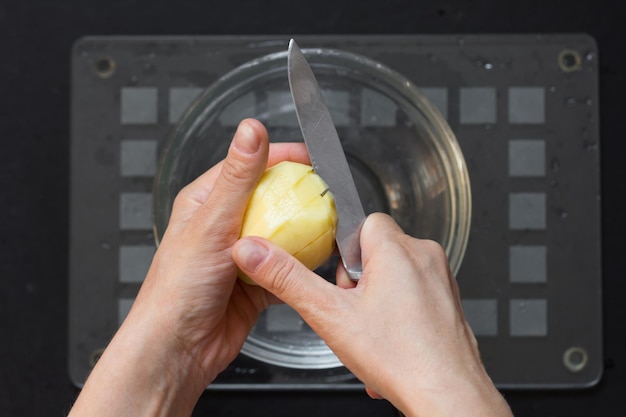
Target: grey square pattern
(528,317)
(339,106)
(280,108)
(528,264)
(527,158)
(527,211)
(377,110)
(180,99)
(138,158)
(527,105)
(139,105)
(438,96)
(242,108)
(477,105)
(136,211)
(482,316)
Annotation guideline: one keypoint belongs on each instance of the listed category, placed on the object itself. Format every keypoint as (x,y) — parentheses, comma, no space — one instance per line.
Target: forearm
(139,375)
(474,395)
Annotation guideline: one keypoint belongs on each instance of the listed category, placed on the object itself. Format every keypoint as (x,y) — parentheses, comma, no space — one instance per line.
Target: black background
(35,41)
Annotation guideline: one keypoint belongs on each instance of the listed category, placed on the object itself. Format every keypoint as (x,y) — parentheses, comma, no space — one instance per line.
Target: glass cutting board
(524,109)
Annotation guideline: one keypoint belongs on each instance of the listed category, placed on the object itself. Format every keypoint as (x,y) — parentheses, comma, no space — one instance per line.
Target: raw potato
(292,207)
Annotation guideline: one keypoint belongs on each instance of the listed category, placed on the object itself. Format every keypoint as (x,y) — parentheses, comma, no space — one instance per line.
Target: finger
(194,194)
(342,278)
(284,276)
(374,231)
(288,151)
(379,223)
(239,175)
(378,229)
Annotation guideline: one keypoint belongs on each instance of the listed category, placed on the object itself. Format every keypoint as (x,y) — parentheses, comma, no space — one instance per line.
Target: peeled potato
(292,207)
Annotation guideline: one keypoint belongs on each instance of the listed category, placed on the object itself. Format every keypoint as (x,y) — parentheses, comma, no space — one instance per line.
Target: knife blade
(327,157)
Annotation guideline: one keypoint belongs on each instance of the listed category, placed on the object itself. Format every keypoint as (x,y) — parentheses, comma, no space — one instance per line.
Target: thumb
(284,276)
(239,174)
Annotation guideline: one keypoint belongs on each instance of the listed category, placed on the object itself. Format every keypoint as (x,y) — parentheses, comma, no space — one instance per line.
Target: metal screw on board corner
(104,67)
(569,60)
(575,359)
(95,356)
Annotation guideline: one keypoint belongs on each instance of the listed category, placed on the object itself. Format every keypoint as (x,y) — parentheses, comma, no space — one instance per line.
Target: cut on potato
(292,207)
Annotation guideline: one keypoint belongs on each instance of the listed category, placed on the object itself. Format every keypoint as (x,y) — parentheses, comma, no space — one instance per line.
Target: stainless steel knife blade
(327,157)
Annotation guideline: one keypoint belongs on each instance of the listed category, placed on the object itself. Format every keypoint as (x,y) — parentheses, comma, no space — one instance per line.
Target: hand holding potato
(192,315)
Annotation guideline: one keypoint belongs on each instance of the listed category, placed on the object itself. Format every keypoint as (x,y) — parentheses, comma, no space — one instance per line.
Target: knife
(327,157)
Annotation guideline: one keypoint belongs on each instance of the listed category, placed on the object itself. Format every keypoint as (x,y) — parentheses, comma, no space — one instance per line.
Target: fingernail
(246,139)
(251,253)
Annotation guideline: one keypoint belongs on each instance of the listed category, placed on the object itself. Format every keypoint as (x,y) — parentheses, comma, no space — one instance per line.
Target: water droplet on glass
(555,165)
(245,371)
(590,145)
(589,56)
(488,66)
(149,69)
(552,89)
(588,102)
(563,214)
(571,101)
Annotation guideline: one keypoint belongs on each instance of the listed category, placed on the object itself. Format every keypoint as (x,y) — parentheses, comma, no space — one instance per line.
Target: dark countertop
(35,41)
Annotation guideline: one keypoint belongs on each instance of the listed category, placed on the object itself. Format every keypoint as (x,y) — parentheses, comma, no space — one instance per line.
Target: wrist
(146,374)
(473,395)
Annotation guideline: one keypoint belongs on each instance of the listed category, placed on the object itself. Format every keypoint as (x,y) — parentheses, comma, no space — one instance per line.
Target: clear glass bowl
(403,155)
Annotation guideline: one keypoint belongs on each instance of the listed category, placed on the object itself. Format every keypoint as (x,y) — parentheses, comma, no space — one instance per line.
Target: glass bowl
(403,155)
